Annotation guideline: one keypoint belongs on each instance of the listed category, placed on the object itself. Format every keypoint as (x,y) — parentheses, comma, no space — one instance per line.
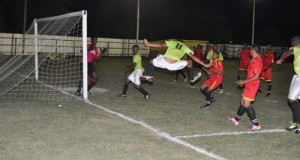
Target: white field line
(150,128)
(231,133)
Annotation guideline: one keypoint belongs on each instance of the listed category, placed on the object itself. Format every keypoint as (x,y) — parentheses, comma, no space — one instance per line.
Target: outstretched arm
(284,56)
(157,45)
(196,59)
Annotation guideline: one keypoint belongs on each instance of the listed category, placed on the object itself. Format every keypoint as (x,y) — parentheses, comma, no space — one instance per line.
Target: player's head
(245,45)
(215,47)
(269,47)
(93,40)
(135,49)
(216,55)
(254,50)
(295,41)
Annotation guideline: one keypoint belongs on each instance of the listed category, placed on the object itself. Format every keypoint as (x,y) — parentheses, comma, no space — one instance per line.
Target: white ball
(59,105)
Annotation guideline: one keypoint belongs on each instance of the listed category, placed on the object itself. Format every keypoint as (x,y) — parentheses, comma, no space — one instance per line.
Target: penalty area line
(232,133)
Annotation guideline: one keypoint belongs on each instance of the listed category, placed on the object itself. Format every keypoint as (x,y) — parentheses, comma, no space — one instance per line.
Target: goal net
(47,68)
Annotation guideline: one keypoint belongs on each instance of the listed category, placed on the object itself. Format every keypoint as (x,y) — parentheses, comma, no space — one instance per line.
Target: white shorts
(134,77)
(160,62)
(294,92)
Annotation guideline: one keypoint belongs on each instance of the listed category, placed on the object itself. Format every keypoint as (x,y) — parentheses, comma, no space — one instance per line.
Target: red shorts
(243,66)
(266,75)
(251,90)
(213,83)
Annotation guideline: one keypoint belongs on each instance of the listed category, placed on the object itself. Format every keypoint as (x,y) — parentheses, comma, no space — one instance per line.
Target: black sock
(208,97)
(238,77)
(251,114)
(295,111)
(150,69)
(191,73)
(79,87)
(221,86)
(125,88)
(269,88)
(240,112)
(182,73)
(142,90)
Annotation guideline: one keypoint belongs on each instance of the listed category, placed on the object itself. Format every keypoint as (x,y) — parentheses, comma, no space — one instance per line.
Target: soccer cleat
(232,120)
(221,91)
(268,94)
(253,128)
(297,131)
(293,126)
(147,78)
(197,76)
(122,95)
(77,93)
(147,96)
(206,106)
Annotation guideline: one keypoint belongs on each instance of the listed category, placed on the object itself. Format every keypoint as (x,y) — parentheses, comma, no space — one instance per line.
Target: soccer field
(168,125)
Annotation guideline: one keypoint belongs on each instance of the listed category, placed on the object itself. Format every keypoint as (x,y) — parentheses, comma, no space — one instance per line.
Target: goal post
(48,67)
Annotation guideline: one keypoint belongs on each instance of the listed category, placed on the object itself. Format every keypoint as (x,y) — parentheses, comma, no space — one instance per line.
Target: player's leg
(150,68)
(141,89)
(125,88)
(93,77)
(269,81)
(221,90)
(183,75)
(79,87)
(193,78)
(294,94)
(137,83)
(176,77)
(240,112)
(207,88)
(251,114)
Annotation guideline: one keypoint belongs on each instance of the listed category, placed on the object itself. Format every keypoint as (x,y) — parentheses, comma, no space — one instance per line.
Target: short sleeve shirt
(176,50)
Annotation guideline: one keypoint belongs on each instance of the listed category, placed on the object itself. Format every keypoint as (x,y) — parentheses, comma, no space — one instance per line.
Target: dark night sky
(214,20)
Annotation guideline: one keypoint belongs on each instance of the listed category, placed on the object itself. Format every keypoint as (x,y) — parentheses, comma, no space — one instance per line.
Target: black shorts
(91,68)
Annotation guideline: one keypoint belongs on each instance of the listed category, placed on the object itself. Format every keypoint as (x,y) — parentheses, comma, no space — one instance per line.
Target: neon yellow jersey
(296,52)
(176,50)
(138,60)
(209,56)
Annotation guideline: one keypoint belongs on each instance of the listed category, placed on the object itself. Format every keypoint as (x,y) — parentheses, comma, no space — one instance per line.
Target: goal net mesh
(54,71)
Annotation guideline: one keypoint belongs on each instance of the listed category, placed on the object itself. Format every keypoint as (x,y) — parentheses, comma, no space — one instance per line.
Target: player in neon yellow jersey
(134,77)
(171,60)
(294,92)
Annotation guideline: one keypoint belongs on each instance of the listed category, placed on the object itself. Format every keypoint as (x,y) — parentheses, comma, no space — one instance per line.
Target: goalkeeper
(92,55)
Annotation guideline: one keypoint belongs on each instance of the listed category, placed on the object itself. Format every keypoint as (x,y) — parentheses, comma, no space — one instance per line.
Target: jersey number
(178,46)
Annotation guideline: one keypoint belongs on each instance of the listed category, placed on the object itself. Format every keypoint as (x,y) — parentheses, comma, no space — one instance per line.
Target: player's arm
(242,82)
(156,45)
(130,67)
(196,59)
(284,56)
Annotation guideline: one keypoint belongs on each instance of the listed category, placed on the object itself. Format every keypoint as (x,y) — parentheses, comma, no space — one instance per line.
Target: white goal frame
(84,46)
